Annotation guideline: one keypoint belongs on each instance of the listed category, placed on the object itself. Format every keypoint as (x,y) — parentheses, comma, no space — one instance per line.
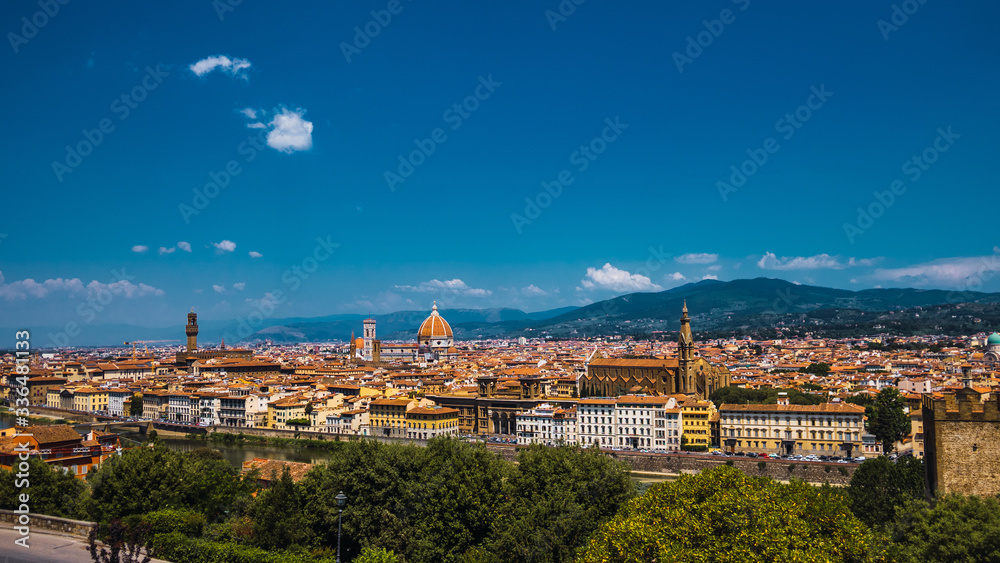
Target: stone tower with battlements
(962,443)
(192,332)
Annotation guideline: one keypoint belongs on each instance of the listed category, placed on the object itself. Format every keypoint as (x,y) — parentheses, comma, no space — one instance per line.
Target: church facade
(687,374)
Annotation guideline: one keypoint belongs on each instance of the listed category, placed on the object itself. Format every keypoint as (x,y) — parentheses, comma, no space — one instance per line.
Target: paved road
(44,548)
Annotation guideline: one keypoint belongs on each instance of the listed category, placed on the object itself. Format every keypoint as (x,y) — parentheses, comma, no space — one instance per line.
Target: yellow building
(424,423)
(825,429)
(696,430)
(387,417)
(90,399)
(281,411)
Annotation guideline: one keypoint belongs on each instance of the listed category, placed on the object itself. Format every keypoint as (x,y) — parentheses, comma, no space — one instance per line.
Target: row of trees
(448,502)
(456,502)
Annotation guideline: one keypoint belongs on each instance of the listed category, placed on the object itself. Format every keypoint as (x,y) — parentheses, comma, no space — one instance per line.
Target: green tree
(298,422)
(278,515)
(147,479)
(453,501)
(135,405)
(878,486)
(557,498)
(887,419)
(373,555)
(373,476)
(956,528)
(51,490)
(821,368)
(724,515)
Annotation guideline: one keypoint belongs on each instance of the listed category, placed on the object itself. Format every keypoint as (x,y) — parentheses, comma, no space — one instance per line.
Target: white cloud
(820,261)
(290,132)
(714,268)
(533,291)
(140,248)
(232,67)
(611,278)
(239,286)
(709,277)
(250,113)
(256,125)
(165,250)
(23,289)
(965,272)
(219,288)
(455,286)
(696,258)
(185,246)
(225,246)
(255,254)
(677,276)
(266,303)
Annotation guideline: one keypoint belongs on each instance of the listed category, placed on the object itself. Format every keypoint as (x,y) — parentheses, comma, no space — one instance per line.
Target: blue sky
(644,110)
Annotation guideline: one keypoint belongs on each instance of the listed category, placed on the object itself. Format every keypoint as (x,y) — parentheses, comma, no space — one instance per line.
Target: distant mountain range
(758,307)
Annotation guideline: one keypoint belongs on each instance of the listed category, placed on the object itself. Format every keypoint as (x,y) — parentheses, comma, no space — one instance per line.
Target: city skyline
(378,157)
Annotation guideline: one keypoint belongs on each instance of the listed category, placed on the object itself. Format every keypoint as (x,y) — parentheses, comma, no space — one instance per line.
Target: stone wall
(49,524)
(304,435)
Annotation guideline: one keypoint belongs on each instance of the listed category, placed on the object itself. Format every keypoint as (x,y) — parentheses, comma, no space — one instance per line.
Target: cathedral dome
(434,326)
(993,339)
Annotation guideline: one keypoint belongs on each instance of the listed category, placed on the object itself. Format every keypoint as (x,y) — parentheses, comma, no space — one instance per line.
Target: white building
(596,422)
(547,425)
(116,401)
(648,423)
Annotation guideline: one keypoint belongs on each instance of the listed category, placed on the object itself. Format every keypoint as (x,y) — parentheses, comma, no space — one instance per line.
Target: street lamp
(341,499)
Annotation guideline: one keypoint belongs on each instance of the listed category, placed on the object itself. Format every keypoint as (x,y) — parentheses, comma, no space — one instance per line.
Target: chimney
(782,398)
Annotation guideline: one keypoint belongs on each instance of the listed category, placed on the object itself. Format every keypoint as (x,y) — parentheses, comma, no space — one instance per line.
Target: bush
(827,468)
(842,470)
(791,467)
(180,549)
(762,465)
(729,463)
(187,522)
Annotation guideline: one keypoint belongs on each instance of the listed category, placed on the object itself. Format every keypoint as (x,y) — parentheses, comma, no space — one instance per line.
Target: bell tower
(192,331)
(369,339)
(685,351)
